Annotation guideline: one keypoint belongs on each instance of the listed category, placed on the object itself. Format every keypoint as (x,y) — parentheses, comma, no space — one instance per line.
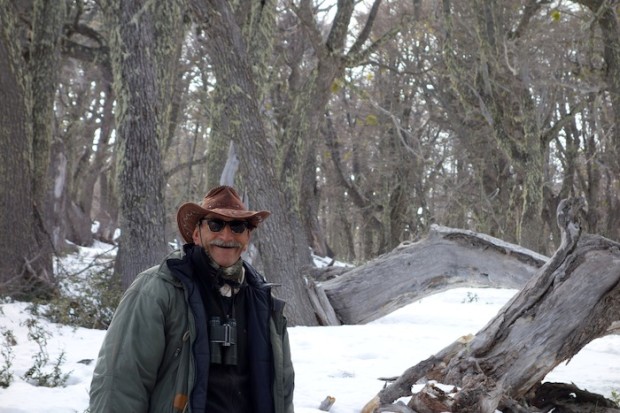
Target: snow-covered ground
(344,362)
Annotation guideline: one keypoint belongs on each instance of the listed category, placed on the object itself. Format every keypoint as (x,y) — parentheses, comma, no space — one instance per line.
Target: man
(201,332)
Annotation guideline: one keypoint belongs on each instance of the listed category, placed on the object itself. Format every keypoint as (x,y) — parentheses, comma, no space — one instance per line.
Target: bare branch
(365,33)
(304,13)
(338,34)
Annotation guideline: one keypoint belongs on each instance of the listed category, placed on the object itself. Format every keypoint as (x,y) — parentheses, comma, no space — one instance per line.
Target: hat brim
(190,213)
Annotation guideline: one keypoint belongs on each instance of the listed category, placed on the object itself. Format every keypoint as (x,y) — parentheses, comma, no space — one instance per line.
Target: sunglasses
(238,227)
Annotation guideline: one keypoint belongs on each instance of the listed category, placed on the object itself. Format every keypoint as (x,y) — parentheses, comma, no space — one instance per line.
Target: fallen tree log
(447,258)
(573,299)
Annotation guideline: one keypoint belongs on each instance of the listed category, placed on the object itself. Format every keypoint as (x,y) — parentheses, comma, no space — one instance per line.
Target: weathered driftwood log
(573,299)
(445,259)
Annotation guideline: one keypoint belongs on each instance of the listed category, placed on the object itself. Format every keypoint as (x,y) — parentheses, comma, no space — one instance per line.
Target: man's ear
(196,235)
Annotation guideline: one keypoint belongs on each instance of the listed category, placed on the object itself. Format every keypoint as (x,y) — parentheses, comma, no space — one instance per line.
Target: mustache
(225,244)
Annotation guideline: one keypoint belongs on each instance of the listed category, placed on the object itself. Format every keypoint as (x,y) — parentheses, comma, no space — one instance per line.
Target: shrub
(471,298)
(8,341)
(39,374)
(88,299)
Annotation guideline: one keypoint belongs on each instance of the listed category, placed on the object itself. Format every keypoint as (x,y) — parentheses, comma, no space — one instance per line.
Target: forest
(369,128)
(358,124)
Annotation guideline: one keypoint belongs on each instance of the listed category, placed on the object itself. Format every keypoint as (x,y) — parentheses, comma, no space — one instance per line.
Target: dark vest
(220,387)
(229,370)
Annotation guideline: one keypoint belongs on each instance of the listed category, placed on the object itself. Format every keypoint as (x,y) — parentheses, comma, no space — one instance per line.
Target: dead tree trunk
(447,258)
(574,298)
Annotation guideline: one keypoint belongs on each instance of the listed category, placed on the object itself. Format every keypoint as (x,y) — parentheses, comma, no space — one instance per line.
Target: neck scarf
(228,279)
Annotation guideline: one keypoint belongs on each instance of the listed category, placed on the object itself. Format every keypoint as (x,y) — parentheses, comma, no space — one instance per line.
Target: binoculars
(222,341)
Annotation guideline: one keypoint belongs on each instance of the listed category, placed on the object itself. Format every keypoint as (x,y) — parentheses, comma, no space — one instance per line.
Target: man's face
(220,241)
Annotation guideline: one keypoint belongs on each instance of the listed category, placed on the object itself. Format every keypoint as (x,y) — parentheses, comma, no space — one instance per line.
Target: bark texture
(28,79)
(573,299)
(140,179)
(282,256)
(15,166)
(447,258)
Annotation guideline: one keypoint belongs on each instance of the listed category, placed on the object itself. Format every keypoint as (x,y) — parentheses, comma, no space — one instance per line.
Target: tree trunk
(504,99)
(28,73)
(256,21)
(305,115)
(16,223)
(94,199)
(607,16)
(59,201)
(365,204)
(412,271)
(168,36)
(573,299)
(283,249)
(107,214)
(141,190)
(44,67)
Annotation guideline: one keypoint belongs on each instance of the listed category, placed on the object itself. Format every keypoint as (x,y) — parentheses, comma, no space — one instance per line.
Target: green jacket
(146,362)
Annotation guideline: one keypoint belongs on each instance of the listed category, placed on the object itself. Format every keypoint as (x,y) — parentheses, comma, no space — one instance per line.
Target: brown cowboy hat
(221,202)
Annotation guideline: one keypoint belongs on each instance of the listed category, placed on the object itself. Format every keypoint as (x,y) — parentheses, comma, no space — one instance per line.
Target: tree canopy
(358,124)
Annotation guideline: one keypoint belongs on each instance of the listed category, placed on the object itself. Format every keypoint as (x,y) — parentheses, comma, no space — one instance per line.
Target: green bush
(87,299)
(8,341)
(39,374)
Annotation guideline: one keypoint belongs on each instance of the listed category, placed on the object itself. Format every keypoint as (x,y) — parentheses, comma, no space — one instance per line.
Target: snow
(345,362)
